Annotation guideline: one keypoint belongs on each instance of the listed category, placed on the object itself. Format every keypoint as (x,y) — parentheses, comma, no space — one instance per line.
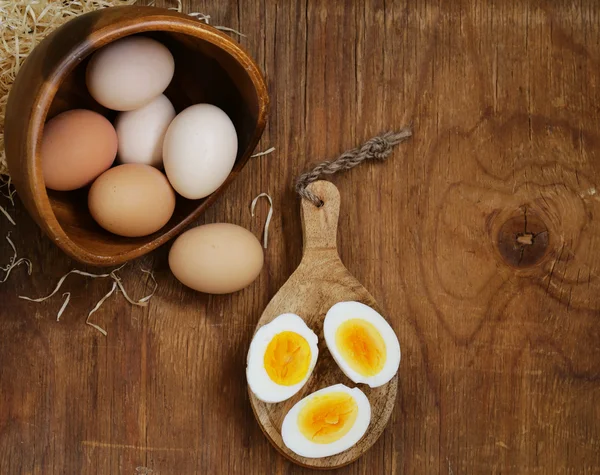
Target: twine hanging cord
(378,148)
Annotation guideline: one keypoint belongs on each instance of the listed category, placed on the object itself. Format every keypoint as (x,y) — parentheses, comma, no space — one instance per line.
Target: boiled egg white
(281,358)
(326,422)
(362,343)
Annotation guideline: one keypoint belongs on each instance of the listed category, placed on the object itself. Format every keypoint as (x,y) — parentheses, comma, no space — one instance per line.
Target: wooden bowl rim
(151,19)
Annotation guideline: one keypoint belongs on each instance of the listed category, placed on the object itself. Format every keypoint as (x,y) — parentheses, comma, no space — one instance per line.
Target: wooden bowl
(209,67)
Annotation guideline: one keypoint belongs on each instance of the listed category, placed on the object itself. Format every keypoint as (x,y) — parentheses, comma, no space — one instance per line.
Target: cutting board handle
(319,224)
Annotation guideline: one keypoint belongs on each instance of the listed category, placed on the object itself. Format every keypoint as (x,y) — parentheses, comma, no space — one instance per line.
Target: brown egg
(216,258)
(77,146)
(132,200)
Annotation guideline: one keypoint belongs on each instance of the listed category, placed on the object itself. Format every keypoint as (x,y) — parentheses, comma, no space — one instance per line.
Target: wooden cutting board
(320,281)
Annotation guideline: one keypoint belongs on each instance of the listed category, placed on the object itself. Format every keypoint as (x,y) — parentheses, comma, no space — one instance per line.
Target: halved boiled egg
(326,422)
(362,343)
(281,358)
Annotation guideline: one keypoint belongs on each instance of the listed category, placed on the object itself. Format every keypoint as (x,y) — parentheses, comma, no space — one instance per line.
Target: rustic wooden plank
(501,364)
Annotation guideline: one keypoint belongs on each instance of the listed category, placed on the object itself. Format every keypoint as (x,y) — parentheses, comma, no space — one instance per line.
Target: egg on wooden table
(326,422)
(281,358)
(141,132)
(131,200)
(217,258)
(199,150)
(362,343)
(129,73)
(77,146)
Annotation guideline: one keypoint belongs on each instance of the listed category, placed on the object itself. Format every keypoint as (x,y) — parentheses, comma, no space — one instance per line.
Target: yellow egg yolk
(287,358)
(361,346)
(327,418)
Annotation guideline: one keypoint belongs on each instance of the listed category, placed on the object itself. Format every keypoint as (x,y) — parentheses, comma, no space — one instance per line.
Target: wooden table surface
(500,370)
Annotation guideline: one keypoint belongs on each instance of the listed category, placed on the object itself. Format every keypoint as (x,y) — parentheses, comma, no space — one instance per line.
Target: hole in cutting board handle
(319,224)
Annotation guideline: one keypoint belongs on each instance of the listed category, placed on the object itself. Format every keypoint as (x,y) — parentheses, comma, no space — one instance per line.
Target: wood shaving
(151,294)
(200,17)
(64,305)
(23,24)
(266,152)
(14,262)
(230,30)
(269,216)
(63,278)
(117,284)
(9,194)
(98,305)
(143,302)
(206,19)
(8,216)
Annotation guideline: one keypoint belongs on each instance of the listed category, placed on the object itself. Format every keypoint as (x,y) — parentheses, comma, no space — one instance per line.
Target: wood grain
(500,367)
(319,282)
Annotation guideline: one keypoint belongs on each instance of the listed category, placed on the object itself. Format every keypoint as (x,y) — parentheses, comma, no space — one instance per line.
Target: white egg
(129,73)
(141,132)
(199,150)
(326,422)
(281,358)
(362,343)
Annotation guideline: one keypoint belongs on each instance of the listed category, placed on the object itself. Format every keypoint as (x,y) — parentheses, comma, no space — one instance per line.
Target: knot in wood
(523,239)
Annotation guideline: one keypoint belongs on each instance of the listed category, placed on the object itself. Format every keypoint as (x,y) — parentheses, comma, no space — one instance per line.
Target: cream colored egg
(216,258)
(129,73)
(199,150)
(131,200)
(141,132)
